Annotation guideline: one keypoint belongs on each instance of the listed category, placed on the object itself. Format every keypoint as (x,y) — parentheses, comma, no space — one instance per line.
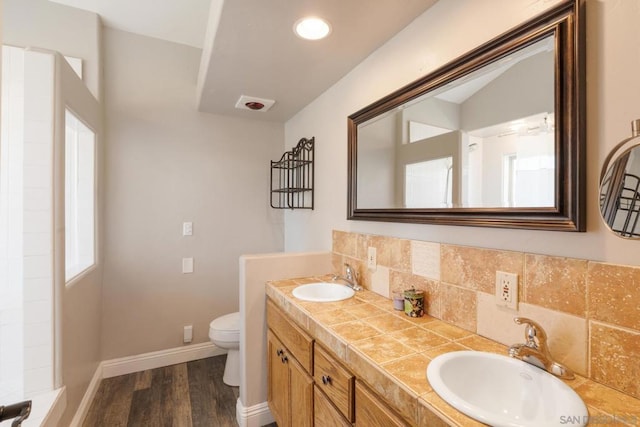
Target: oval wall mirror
(494,138)
(620,186)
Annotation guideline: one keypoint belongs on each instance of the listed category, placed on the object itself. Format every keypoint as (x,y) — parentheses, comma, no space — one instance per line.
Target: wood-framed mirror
(495,138)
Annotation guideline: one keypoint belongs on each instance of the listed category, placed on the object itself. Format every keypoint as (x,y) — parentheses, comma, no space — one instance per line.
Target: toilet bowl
(224,332)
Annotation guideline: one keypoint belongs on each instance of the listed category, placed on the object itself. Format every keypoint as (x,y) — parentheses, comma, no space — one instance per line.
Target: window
(509,176)
(79,197)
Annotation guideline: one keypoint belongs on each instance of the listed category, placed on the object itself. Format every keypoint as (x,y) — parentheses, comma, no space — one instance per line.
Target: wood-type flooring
(189,394)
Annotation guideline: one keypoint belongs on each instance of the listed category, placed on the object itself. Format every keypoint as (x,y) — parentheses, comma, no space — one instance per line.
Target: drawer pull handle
(284,359)
(326,379)
(280,352)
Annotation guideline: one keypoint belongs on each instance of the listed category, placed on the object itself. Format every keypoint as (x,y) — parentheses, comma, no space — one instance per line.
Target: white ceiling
(249,47)
(180,21)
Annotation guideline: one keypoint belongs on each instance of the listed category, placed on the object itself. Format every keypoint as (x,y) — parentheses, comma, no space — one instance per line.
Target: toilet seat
(225,328)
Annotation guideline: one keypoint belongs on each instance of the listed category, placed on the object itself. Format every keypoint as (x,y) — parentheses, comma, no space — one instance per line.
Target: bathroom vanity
(360,362)
(308,385)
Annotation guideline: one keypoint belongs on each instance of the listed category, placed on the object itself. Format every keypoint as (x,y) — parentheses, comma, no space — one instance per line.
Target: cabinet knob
(279,352)
(326,379)
(284,359)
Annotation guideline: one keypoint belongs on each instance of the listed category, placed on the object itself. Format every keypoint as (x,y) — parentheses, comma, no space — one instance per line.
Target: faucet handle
(532,331)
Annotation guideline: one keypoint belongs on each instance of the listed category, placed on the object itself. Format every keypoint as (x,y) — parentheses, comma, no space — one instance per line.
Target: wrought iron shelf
(291,190)
(290,164)
(292,177)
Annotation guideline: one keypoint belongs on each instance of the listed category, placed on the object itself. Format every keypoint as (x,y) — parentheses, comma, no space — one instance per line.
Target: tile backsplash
(590,310)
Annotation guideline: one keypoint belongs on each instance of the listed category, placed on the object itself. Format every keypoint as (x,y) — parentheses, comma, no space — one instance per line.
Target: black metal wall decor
(292,177)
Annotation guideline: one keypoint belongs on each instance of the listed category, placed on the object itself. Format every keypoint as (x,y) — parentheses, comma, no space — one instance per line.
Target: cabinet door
(278,392)
(301,392)
(372,412)
(324,413)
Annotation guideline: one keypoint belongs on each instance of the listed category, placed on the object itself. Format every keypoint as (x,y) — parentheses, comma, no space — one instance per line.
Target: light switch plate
(187,228)
(187,265)
(187,334)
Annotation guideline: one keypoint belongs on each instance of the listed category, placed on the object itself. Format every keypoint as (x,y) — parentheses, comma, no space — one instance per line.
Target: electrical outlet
(507,290)
(372,262)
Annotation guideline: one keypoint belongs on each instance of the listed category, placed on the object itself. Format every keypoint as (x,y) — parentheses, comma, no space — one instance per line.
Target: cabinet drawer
(299,344)
(334,380)
(372,412)
(324,413)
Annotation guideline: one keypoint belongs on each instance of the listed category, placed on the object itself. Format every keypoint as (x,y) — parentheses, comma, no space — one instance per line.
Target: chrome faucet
(535,350)
(350,277)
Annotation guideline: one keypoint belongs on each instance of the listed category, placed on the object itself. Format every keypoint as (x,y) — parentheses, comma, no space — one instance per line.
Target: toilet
(224,332)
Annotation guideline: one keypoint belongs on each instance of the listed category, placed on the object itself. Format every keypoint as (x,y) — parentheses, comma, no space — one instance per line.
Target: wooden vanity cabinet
(371,411)
(308,386)
(290,385)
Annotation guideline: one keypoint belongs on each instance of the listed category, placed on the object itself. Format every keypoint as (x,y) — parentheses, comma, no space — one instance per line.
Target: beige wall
(48,25)
(431,41)
(166,164)
(78,327)
(80,339)
(255,271)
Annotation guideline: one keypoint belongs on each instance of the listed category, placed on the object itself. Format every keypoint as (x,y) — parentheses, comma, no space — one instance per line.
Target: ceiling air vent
(253,103)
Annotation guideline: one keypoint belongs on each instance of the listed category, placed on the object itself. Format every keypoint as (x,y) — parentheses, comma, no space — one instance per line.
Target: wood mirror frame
(566,23)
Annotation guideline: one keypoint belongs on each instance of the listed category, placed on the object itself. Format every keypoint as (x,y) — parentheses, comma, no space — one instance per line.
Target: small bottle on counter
(398,300)
(414,302)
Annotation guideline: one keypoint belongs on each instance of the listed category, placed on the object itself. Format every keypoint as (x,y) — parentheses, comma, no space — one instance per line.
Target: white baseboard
(157,359)
(141,362)
(253,416)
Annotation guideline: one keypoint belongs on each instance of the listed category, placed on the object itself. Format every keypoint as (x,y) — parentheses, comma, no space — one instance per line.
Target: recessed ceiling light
(312,28)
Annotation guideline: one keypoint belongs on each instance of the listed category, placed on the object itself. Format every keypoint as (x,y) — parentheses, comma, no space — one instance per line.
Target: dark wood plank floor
(185,395)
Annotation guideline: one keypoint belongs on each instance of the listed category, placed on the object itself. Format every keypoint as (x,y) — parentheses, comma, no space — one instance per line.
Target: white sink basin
(503,391)
(323,292)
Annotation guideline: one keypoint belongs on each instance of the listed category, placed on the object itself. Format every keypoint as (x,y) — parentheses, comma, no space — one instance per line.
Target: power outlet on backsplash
(372,262)
(507,290)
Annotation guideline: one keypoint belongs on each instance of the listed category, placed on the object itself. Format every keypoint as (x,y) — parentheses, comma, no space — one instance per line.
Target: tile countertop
(390,351)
